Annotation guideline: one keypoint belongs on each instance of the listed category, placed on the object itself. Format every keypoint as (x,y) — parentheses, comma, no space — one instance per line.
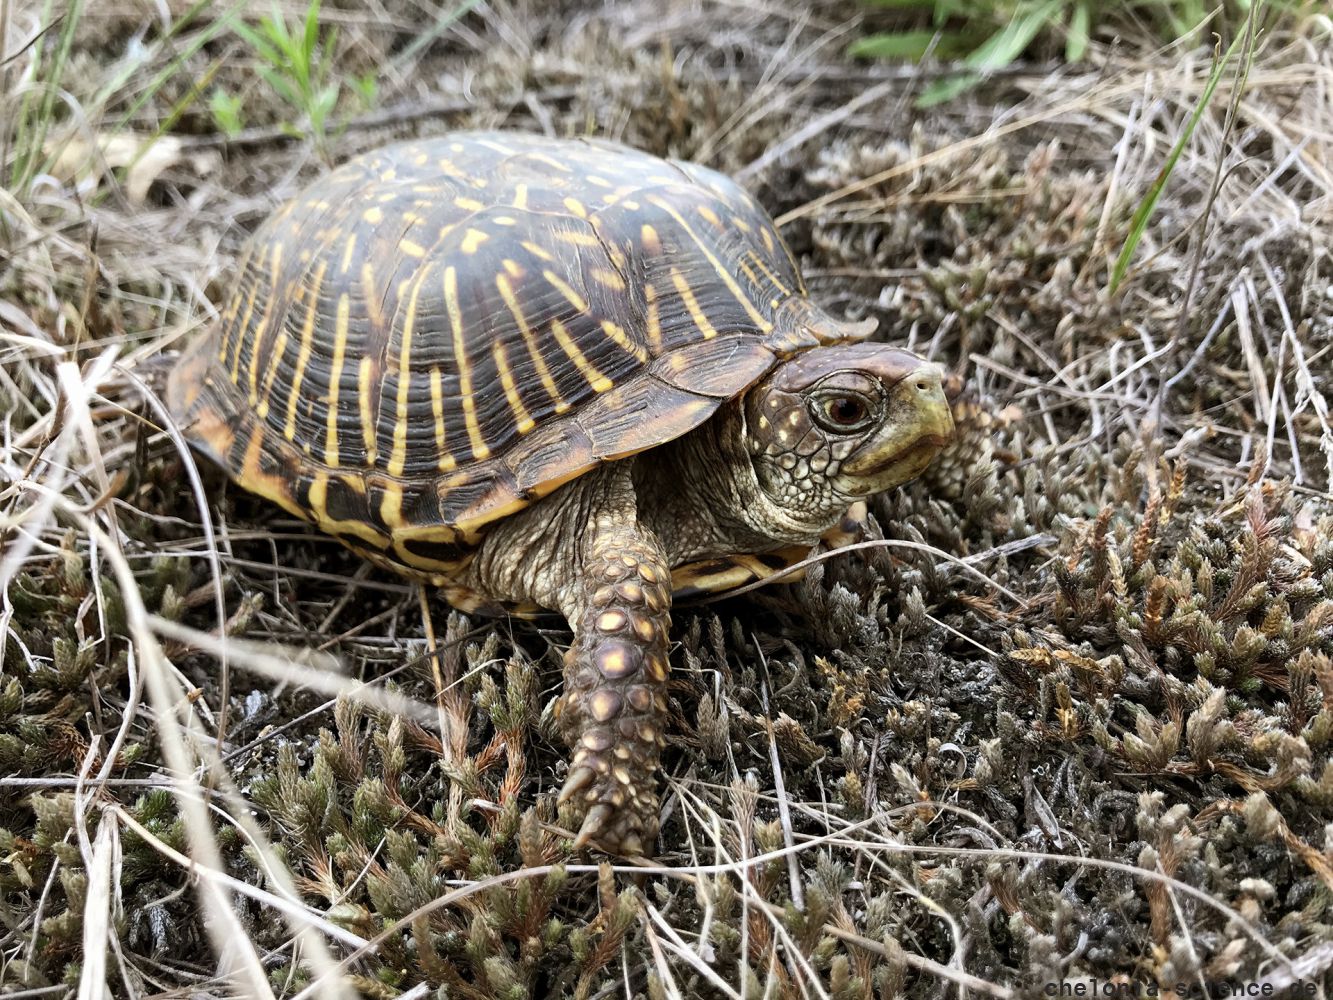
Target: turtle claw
(579,779)
(593,824)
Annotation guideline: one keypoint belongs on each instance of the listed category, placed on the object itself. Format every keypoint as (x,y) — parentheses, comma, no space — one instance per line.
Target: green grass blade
(1007,44)
(437,29)
(30,141)
(1139,223)
(946,90)
(911,45)
(1080,32)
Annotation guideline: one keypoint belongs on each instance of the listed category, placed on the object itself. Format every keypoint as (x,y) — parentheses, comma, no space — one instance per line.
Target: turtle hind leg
(613,710)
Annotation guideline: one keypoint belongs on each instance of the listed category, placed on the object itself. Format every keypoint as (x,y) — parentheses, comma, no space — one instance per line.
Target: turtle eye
(842,412)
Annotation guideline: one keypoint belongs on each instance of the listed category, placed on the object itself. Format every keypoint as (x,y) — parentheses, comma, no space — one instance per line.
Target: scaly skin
(613,712)
(770,470)
(586,551)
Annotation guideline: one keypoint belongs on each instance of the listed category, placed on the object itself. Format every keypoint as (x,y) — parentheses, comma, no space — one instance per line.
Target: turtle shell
(439,333)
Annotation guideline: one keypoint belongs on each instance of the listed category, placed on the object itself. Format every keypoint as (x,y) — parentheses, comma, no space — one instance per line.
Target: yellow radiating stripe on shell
(654,321)
(473,239)
(623,340)
(610,279)
(411,248)
(735,289)
(233,308)
(252,375)
(598,381)
(331,456)
(399,456)
(576,207)
(365,370)
(692,304)
(241,329)
(759,263)
(451,169)
(579,239)
(347,253)
(496,147)
(522,418)
(530,341)
(303,353)
(749,273)
(520,196)
(480,450)
(391,504)
(468,204)
(564,168)
(564,288)
(537,250)
(447,462)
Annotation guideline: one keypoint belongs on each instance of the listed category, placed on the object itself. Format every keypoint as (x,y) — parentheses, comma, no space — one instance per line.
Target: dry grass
(1072,718)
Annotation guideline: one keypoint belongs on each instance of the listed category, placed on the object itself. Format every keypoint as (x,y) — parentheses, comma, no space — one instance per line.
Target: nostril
(923,387)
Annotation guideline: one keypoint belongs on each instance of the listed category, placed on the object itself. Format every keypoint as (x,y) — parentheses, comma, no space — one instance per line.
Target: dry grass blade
(1102,619)
(301,666)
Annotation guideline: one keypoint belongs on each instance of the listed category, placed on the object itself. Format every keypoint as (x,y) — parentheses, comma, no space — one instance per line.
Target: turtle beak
(917,425)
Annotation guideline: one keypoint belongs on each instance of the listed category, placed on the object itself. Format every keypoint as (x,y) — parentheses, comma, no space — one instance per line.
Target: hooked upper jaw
(916,425)
(837,424)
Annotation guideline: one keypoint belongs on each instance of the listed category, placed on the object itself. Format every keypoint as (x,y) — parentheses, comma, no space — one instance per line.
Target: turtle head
(838,423)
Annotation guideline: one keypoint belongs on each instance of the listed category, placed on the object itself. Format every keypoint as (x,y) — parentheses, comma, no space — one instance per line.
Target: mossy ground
(1072,718)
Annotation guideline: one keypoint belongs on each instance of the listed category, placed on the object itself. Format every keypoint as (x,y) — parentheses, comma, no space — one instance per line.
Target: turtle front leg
(613,711)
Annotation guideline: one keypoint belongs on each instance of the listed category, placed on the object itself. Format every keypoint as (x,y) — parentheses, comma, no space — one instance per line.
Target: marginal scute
(721,367)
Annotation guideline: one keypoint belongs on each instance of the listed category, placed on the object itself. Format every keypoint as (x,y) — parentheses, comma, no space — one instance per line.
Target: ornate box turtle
(561,374)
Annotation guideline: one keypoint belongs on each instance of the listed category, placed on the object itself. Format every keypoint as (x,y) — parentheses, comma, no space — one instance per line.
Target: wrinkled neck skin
(697,497)
(701,496)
